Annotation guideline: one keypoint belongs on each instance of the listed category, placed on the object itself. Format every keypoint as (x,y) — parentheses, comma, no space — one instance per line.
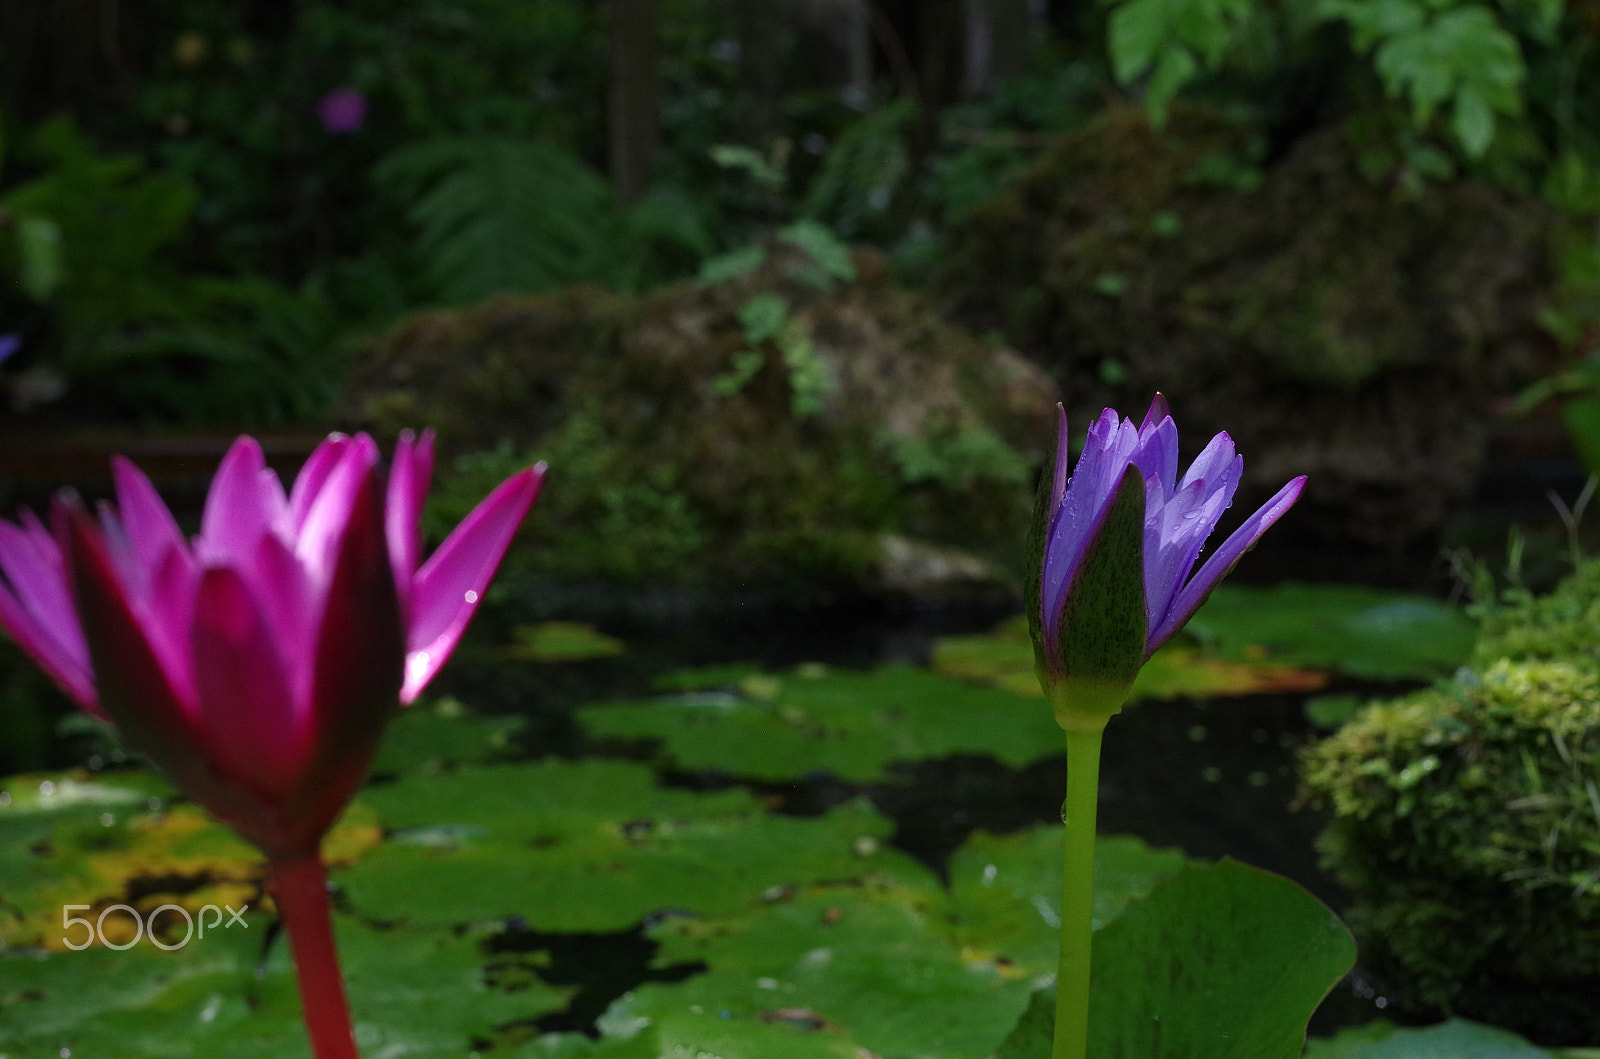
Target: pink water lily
(1115,546)
(257,664)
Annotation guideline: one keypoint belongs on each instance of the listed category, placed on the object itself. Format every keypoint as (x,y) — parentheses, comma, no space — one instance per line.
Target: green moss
(1466,822)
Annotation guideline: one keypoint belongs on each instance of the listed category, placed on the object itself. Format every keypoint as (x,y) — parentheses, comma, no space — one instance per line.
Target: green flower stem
(1077,892)
(301,890)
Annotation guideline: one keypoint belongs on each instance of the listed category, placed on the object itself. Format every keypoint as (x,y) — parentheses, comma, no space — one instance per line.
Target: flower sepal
(1090,652)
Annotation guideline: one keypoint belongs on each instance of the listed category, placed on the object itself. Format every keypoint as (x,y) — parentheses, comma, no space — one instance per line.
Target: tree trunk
(635,124)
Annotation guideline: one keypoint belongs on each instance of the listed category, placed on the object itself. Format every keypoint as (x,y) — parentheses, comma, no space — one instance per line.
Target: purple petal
(1223,559)
(1158,411)
(1157,454)
(289,607)
(1173,539)
(1213,460)
(451,583)
(250,724)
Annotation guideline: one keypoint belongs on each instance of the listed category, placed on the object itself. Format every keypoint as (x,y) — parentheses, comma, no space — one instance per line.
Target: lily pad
(411,993)
(1365,632)
(1004,658)
(560,641)
(100,841)
(1221,961)
(425,738)
(1005,891)
(835,970)
(1455,1039)
(846,724)
(595,846)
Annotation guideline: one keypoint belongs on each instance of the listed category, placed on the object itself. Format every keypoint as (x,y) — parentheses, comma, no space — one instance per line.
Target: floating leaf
(845,724)
(1004,658)
(426,738)
(1455,1039)
(596,846)
(561,641)
(1365,632)
(1219,961)
(836,970)
(1006,890)
(96,842)
(411,993)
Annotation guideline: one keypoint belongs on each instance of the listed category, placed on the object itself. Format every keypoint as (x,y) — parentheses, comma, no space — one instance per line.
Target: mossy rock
(1466,823)
(1334,325)
(776,430)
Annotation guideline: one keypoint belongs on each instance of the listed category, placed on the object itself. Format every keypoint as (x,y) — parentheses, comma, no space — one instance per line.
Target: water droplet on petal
(472,597)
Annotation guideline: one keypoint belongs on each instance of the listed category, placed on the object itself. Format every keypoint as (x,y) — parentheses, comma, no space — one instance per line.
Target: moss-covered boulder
(1334,322)
(1466,823)
(799,427)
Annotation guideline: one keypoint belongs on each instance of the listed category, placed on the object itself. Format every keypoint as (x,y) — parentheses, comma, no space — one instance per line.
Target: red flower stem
(300,888)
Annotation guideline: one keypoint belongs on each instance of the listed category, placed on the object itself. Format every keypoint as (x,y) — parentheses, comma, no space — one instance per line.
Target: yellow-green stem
(1077,894)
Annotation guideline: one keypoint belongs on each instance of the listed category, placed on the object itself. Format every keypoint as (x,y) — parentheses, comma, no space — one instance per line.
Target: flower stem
(300,888)
(1077,893)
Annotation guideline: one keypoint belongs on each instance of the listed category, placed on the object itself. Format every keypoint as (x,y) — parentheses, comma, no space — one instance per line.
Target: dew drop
(472,597)
(46,789)
(5,799)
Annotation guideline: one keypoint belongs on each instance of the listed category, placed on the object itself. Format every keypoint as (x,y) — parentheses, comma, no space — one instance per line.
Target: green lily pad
(411,993)
(844,724)
(1221,961)
(1365,632)
(98,841)
(595,846)
(425,738)
(1455,1039)
(1005,890)
(838,969)
(1004,658)
(560,641)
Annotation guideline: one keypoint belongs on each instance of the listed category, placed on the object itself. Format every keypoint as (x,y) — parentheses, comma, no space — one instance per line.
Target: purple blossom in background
(9,344)
(342,110)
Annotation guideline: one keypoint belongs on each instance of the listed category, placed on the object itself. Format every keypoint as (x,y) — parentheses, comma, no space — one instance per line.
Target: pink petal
(151,530)
(308,483)
(359,663)
(408,488)
(36,610)
(249,724)
(135,690)
(245,501)
(450,584)
(328,510)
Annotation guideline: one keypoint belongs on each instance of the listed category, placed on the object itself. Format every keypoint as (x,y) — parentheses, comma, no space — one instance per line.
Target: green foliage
(95,241)
(955,458)
(495,215)
(1453,1039)
(1466,820)
(1460,57)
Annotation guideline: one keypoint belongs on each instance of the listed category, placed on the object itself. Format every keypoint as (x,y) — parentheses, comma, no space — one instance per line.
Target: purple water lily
(1116,543)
